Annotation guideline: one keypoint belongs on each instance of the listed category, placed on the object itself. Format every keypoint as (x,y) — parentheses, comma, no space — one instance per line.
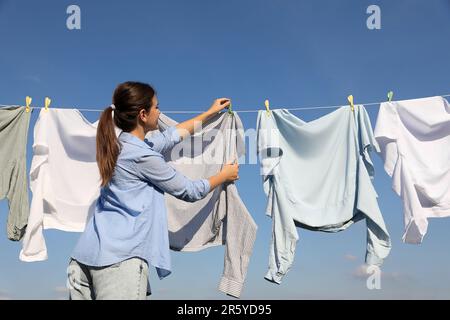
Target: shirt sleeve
(269,152)
(156,170)
(367,142)
(33,244)
(240,239)
(163,141)
(386,135)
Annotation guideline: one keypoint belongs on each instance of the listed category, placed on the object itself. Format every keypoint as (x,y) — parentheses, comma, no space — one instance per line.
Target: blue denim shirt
(130,218)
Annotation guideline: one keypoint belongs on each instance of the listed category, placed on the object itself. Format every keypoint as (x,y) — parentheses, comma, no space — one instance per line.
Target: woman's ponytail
(107,146)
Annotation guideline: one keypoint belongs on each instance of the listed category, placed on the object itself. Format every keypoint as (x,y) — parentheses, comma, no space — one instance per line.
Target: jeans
(126,280)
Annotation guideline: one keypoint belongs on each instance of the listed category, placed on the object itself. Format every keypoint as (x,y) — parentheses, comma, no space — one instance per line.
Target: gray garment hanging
(14,124)
(221,218)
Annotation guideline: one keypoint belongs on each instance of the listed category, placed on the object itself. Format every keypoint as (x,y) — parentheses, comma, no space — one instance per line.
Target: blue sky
(296,53)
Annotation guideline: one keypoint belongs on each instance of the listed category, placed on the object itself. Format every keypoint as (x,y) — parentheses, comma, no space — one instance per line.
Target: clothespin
(230,109)
(27,103)
(47,103)
(266,103)
(350,100)
(390,95)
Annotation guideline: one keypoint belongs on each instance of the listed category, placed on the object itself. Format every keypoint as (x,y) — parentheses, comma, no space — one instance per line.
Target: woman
(128,231)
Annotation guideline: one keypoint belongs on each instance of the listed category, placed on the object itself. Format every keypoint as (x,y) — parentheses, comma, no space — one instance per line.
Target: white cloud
(350,257)
(4,296)
(361,272)
(62,293)
(61,290)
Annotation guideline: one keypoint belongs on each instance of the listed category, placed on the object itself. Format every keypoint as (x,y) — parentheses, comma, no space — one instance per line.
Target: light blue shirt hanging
(317,175)
(130,218)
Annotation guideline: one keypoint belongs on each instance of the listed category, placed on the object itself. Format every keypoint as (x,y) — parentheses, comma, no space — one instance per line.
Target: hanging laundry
(64,178)
(414,138)
(317,176)
(14,124)
(221,218)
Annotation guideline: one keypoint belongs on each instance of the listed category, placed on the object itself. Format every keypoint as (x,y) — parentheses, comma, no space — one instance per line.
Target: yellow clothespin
(230,109)
(350,100)
(390,95)
(47,103)
(266,103)
(27,103)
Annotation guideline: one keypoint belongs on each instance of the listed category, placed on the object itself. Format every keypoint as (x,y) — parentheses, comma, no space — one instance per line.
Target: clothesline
(239,111)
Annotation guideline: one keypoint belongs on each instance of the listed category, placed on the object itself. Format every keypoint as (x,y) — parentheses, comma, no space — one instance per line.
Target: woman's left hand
(218,105)
(187,127)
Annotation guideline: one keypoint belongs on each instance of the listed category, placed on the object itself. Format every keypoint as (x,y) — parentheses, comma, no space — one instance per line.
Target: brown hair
(129,99)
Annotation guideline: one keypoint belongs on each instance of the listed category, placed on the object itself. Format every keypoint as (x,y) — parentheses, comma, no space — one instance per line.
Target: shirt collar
(129,138)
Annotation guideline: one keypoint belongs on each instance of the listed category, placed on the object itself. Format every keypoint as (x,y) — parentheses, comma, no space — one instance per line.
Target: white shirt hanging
(64,178)
(414,138)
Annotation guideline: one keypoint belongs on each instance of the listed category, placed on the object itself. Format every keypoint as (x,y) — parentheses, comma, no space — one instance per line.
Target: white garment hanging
(64,178)
(414,138)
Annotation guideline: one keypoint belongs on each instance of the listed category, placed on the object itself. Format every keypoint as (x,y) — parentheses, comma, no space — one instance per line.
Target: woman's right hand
(218,105)
(230,171)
